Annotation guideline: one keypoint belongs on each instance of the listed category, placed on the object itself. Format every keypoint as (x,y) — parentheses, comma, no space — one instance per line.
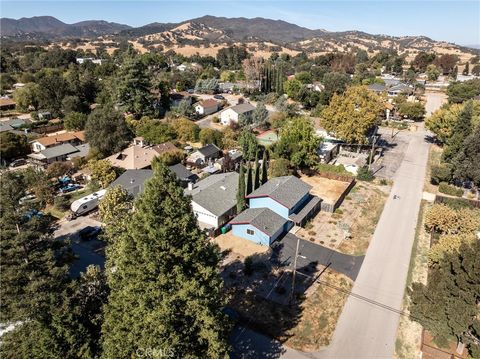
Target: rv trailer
(87,203)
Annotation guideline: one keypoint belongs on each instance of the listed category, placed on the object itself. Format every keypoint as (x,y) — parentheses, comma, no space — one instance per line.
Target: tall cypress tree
(256,176)
(264,174)
(249,180)
(163,276)
(241,190)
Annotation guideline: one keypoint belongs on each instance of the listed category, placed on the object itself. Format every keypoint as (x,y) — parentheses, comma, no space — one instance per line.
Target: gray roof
(182,173)
(242,108)
(377,87)
(264,219)
(400,87)
(287,190)
(217,193)
(82,151)
(4,127)
(133,180)
(209,150)
(58,151)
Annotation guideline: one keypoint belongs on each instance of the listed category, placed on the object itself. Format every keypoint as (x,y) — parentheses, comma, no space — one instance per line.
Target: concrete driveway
(308,252)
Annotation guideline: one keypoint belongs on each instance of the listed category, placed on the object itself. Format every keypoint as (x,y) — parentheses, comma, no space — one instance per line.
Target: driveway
(87,252)
(308,252)
(434,100)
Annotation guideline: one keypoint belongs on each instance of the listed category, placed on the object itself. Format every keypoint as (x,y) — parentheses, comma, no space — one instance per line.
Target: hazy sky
(455,21)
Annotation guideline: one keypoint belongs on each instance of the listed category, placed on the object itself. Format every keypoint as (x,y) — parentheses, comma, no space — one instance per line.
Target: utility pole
(292,294)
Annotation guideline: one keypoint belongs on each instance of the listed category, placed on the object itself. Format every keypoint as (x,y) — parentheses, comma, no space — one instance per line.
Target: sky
(454,21)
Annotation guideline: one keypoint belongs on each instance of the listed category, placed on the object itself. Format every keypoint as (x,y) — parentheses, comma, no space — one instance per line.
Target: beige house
(206,107)
(138,156)
(73,138)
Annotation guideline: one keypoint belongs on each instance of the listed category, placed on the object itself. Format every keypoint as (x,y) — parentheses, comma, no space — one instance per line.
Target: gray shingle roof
(82,151)
(57,151)
(182,173)
(242,108)
(377,87)
(264,219)
(209,150)
(216,193)
(287,190)
(133,180)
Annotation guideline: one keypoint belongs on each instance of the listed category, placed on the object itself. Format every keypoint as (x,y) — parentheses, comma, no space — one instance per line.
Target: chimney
(190,186)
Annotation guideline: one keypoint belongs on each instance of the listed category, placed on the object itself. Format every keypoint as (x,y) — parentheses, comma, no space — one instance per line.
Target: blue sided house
(285,197)
(260,225)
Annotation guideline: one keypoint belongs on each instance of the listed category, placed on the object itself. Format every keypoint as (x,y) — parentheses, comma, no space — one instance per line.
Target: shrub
(383,182)
(441,173)
(339,211)
(364,174)
(61,203)
(450,190)
(215,119)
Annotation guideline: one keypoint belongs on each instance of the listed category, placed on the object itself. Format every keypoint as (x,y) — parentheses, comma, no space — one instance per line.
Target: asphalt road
(308,252)
(367,327)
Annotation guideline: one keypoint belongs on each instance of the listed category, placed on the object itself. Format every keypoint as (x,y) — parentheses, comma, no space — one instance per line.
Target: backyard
(350,228)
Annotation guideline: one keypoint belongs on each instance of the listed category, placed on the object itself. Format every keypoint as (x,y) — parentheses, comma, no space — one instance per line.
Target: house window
(250,232)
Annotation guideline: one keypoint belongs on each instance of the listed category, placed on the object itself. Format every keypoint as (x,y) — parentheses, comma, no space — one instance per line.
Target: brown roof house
(7,103)
(73,138)
(206,107)
(139,156)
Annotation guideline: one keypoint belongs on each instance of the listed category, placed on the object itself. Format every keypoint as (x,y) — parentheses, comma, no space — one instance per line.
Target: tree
(441,219)
(249,188)
(210,136)
(58,169)
(241,203)
(352,115)
(459,92)
(466,70)
(466,164)
(334,83)
(292,88)
(114,209)
(422,61)
(186,130)
(476,70)
(412,110)
(264,168)
(442,121)
(248,143)
(107,131)
(299,143)
(102,172)
(155,131)
(260,115)
(446,62)
(461,129)
(132,88)
(432,72)
(166,271)
(27,96)
(256,175)
(279,167)
(13,146)
(304,77)
(447,305)
(53,89)
(75,121)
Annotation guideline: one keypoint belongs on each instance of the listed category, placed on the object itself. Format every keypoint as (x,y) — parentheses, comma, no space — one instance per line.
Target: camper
(87,203)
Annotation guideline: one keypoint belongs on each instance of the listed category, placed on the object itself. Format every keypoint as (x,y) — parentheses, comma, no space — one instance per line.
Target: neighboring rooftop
(138,157)
(242,108)
(133,180)
(82,151)
(287,190)
(217,193)
(56,151)
(209,150)
(377,87)
(182,173)
(208,103)
(61,138)
(263,219)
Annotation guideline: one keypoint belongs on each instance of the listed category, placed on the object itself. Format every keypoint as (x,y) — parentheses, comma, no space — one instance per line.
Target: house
(379,88)
(83,151)
(203,155)
(6,104)
(133,180)
(287,196)
(327,151)
(184,176)
(177,97)
(214,199)
(139,156)
(233,113)
(401,88)
(206,107)
(12,124)
(260,225)
(54,154)
(73,138)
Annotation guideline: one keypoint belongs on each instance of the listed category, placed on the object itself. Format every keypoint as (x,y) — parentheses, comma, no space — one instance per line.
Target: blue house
(274,208)
(260,225)
(288,196)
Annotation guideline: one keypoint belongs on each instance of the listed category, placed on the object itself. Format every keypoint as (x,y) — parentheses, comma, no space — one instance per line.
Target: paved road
(309,252)
(366,329)
(435,100)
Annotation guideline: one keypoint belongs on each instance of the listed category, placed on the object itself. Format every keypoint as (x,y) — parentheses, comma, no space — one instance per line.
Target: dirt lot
(239,246)
(351,227)
(327,189)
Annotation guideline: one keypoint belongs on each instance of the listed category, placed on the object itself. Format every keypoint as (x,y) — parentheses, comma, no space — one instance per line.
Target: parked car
(89,233)
(19,162)
(70,188)
(219,97)
(27,198)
